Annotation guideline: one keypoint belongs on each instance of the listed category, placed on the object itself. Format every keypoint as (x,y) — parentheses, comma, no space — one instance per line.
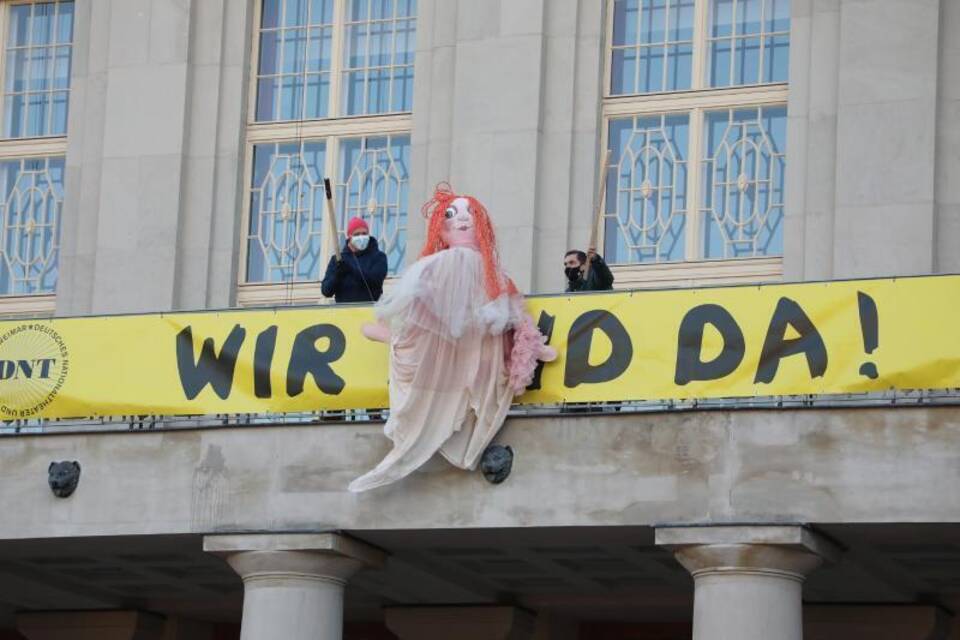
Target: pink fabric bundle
(528,344)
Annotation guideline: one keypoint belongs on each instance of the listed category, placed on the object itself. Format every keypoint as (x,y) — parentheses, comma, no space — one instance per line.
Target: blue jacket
(360,277)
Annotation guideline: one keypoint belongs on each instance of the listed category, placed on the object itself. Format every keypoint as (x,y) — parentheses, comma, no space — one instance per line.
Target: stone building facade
(162,155)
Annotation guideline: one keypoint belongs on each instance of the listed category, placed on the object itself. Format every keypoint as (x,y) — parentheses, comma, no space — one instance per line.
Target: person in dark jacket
(359,274)
(575,266)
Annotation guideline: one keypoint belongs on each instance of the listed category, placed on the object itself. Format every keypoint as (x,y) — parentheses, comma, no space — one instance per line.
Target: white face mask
(360,242)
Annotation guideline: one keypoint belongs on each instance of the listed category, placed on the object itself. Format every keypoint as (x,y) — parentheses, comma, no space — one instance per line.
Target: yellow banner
(812,338)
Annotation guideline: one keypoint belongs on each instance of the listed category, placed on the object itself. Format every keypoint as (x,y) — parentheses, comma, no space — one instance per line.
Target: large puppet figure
(461,344)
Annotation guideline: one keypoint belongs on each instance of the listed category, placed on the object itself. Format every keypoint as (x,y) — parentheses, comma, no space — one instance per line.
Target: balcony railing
(124,424)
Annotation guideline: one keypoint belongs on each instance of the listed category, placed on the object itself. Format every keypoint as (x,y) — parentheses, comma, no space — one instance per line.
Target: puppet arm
(376,331)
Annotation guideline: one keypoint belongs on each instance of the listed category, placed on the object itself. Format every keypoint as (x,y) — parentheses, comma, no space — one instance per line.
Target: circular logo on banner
(34,362)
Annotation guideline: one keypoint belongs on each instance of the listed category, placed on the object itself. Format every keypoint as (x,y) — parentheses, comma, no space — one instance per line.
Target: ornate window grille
(374,184)
(36,40)
(285,235)
(695,113)
(650,176)
(322,63)
(743,182)
(32,192)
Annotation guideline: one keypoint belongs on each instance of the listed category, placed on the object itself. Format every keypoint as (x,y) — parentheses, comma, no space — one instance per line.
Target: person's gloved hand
(342,269)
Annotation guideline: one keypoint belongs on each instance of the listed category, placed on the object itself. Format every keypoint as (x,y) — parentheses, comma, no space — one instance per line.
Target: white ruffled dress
(456,361)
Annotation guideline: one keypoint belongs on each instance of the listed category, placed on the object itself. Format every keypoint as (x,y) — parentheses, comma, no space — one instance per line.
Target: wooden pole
(331,212)
(598,212)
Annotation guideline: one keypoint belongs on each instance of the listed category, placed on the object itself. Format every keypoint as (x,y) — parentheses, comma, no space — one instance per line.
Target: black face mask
(573,273)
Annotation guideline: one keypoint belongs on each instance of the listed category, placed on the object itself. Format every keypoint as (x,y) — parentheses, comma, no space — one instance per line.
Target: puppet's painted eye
(450,212)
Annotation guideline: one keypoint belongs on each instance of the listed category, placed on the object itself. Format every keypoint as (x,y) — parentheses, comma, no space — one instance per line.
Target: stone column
(293,584)
(748,581)
(463,623)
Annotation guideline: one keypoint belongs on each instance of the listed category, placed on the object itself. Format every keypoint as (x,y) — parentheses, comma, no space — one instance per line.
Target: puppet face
(459,228)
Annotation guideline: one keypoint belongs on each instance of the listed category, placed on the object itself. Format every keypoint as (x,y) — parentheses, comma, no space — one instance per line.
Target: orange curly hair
(495,282)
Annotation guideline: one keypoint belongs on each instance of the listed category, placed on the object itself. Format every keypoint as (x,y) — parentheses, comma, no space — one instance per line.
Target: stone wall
(150,220)
(809,466)
(507,105)
(872,139)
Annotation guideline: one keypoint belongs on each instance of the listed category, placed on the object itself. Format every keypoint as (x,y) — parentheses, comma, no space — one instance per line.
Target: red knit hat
(357,223)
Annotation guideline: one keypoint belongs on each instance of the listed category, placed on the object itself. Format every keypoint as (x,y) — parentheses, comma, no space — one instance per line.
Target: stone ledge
(325,543)
(795,537)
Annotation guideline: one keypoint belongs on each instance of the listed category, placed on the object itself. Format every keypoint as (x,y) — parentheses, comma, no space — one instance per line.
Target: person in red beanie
(359,274)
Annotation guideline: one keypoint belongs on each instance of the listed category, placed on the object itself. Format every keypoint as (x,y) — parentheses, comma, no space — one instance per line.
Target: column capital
(328,556)
(788,550)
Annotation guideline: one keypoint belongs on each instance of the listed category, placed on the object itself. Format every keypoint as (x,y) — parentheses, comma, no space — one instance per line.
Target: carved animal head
(496,463)
(63,477)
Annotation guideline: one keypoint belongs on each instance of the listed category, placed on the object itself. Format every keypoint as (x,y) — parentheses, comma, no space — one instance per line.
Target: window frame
(696,101)
(332,129)
(46,146)
(5,6)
